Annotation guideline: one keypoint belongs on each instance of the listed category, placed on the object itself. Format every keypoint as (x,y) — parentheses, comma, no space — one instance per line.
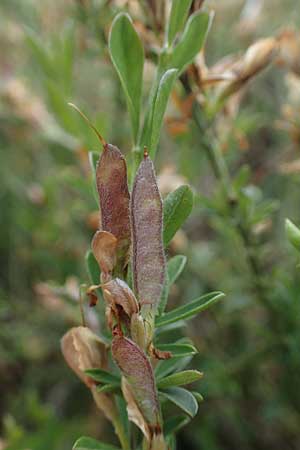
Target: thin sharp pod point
(101,139)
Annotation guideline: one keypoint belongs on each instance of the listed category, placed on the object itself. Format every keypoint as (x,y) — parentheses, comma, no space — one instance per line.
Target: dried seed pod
(117,292)
(137,370)
(104,246)
(147,225)
(111,176)
(257,57)
(82,350)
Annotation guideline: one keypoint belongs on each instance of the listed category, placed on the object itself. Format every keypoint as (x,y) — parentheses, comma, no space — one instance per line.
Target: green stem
(120,432)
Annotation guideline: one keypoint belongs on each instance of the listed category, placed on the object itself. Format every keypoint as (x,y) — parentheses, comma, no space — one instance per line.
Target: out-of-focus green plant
(234,239)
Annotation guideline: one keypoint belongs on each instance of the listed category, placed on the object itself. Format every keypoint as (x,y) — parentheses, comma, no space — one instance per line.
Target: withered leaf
(137,370)
(111,176)
(147,224)
(117,292)
(104,245)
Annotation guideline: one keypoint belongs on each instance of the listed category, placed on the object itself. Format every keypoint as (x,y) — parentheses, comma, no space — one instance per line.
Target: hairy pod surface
(137,370)
(111,177)
(147,226)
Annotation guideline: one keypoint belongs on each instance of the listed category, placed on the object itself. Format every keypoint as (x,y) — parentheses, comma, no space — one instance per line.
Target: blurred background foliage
(54,52)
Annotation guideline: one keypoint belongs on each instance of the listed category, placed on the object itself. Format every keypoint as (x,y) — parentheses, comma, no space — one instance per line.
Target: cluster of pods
(129,250)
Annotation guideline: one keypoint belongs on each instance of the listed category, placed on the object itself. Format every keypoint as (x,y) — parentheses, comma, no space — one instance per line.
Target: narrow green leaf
(183,399)
(164,295)
(180,378)
(174,424)
(39,52)
(178,16)
(170,327)
(178,349)
(58,103)
(109,388)
(190,309)
(191,40)
(159,108)
(175,267)
(127,55)
(92,267)
(293,233)
(103,376)
(197,396)
(171,442)
(93,160)
(177,207)
(123,414)
(86,443)
(171,365)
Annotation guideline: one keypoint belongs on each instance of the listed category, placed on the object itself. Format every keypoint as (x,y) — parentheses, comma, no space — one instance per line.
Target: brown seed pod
(82,350)
(147,225)
(104,246)
(111,176)
(137,370)
(117,292)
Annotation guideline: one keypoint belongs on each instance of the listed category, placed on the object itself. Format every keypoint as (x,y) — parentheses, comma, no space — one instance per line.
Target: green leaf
(175,267)
(164,295)
(174,424)
(197,396)
(293,233)
(39,52)
(123,415)
(103,376)
(109,388)
(178,349)
(171,442)
(92,267)
(191,40)
(177,207)
(127,55)
(190,309)
(168,366)
(159,107)
(180,378)
(93,160)
(183,399)
(178,16)
(58,103)
(86,443)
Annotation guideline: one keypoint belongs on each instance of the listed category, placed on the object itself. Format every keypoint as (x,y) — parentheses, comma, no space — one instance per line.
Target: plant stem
(119,429)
